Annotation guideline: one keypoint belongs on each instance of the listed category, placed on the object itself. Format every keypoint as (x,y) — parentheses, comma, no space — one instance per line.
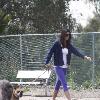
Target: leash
(46,69)
(40,76)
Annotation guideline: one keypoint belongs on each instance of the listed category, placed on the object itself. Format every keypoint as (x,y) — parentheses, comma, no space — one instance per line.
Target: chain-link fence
(28,52)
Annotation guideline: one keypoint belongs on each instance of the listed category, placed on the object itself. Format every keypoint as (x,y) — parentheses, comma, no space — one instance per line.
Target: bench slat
(43,74)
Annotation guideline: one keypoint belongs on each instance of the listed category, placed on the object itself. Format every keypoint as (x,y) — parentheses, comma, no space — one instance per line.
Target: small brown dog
(17,92)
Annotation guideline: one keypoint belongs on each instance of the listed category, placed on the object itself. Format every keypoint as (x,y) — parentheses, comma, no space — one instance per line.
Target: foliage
(37,16)
(4,19)
(94,24)
(97,5)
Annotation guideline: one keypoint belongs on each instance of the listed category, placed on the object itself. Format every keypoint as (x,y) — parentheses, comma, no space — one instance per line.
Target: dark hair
(62,38)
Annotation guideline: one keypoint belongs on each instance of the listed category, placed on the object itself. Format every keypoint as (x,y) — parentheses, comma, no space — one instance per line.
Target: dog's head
(17,91)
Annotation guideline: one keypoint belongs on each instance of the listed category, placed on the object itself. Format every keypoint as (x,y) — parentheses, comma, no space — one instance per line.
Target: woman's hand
(88,58)
(48,66)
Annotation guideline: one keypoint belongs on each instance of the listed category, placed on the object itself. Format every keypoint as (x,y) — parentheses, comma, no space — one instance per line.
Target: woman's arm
(76,52)
(79,54)
(50,53)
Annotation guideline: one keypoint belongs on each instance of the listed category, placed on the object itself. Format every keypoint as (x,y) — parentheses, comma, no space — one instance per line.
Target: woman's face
(67,36)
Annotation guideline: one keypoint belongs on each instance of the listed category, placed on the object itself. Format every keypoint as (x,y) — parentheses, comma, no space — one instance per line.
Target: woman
(62,50)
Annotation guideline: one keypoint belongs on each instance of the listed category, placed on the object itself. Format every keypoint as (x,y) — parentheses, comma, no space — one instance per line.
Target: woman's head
(65,38)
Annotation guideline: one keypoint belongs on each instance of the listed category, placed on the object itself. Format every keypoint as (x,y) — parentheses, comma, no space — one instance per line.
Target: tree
(4,19)
(37,16)
(94,24)
(97,5)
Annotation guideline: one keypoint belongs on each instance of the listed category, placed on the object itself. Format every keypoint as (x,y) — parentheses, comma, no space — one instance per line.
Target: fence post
(21,54)
(93,62)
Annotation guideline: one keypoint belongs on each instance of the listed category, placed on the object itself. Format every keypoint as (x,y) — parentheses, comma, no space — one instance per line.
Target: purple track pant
(61,78)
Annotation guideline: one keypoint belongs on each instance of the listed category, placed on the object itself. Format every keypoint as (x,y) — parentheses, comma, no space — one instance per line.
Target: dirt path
(50,98)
